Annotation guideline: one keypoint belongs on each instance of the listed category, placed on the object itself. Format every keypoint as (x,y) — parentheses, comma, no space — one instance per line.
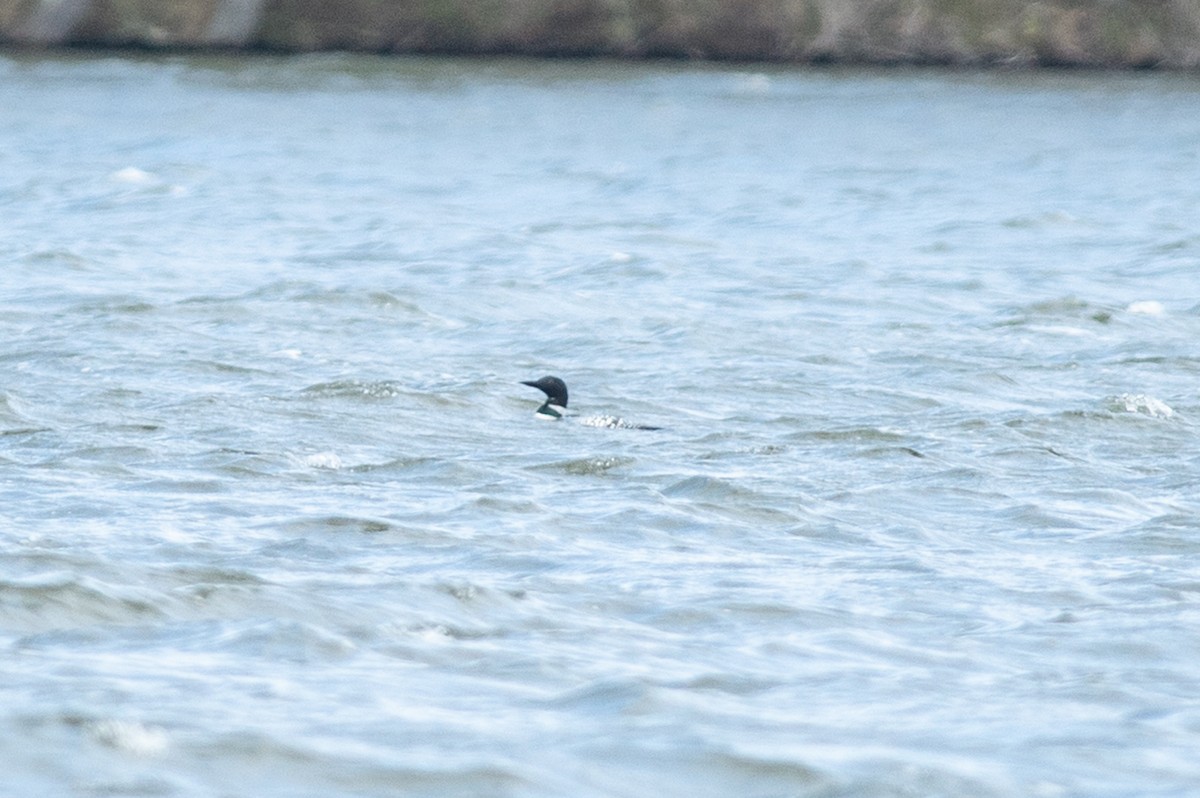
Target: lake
(921,517)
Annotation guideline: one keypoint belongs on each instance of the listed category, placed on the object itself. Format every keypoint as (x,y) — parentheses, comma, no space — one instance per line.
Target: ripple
(710,488)
(341,524)
(359,389)
(852,435)
(290,640)
(588,466)
(60,600)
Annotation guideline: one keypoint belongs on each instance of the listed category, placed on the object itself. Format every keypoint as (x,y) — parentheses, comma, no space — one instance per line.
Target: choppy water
(923,519)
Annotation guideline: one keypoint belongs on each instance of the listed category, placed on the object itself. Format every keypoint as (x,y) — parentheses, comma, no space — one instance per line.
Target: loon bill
(555,406)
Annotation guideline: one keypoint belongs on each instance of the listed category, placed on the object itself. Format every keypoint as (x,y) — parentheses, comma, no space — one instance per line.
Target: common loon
(555,406)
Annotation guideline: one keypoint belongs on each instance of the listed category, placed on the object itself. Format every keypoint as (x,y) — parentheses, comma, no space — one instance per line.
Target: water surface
(278,519)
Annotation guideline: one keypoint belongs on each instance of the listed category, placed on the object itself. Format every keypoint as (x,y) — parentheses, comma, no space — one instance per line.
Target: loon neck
(551,411)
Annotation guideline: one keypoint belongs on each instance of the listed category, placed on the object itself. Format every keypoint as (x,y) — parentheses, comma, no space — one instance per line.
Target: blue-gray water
(923,518)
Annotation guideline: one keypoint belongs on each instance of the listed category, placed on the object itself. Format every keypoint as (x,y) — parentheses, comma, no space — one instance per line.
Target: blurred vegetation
(1136,33)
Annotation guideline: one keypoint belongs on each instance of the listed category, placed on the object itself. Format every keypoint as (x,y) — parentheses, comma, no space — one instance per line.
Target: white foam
(327,460)
(1061,329)
(1147,405)
(129,736)
(1146,307)
(133,176)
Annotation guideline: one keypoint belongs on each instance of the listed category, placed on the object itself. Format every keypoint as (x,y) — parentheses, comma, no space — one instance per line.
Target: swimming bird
(555,406)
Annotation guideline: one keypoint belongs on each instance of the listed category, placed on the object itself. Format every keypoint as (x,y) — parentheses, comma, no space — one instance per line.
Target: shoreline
(1119,34)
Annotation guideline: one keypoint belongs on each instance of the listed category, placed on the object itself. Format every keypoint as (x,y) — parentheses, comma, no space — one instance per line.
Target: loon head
(555,406)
